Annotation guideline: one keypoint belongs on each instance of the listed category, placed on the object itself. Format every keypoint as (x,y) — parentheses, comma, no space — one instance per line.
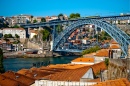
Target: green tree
(43,20)
(59,28)
(60,15)
(118,21)
(45,33)
(91,50)
(77,15)
(73,15)
(15,26)
(107,61)
(16,42)
(16,35)
(5,36)
(1,62)
(35,21)
(10,36)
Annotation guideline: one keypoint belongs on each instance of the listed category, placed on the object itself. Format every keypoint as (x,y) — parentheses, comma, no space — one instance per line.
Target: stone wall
(33,45)
(128,52)
(118,68)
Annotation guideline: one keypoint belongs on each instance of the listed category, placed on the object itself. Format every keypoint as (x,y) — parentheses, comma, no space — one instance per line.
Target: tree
(10,36)
(107,61)
(73,15)
(45,33)
(16,42)
(1,62)
(118,21)
(35,21)
(91,50)
(16,35)
(77,15)
(43,20)
(59,28)
(15,26)
(60,15)
(5,36)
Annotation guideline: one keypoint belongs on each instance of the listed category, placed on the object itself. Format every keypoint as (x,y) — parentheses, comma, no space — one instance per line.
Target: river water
(16,64)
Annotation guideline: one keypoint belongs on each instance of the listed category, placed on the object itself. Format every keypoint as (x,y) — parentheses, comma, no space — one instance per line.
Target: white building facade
(19,31)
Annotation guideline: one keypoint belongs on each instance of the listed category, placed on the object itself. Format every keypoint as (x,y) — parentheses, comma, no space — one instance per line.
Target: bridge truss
(121,37)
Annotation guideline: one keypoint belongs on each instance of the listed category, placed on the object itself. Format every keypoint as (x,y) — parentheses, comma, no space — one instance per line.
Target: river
(16,64)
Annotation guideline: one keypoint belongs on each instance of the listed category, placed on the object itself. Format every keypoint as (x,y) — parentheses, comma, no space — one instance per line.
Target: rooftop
(102,53)
(75,74)
(114,46)
(113,42)
(67,66)
(19,77)
(89,55)
(6,81)
(81,59)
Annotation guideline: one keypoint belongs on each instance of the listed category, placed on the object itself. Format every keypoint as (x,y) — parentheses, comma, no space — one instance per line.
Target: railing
(61,83)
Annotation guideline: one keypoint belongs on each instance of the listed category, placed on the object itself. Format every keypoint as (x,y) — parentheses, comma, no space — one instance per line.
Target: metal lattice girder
(118,35)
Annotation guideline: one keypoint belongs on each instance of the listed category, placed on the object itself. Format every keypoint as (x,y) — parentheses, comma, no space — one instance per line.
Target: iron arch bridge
(118,35)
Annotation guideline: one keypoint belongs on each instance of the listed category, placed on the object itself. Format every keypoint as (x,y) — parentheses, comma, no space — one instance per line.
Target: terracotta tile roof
(116,82)
(99,66)
(102,53)
(67,66)
(113,42)
(52,73)
(5,81)
(33,31)
(19,77)
(89,59)
(106,41)
(89,55)
(71,75)
(33,73)
(38,73)
(114,46)
(75,74)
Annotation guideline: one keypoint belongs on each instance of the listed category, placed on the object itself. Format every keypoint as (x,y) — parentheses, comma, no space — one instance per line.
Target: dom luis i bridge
(102,22)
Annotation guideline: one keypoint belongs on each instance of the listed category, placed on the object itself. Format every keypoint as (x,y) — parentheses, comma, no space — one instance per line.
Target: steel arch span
(117,34)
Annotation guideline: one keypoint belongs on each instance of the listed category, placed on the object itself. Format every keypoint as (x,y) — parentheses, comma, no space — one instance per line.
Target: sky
(55,7)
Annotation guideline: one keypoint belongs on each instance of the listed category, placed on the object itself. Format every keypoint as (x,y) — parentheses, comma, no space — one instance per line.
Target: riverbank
(24,55)
(27,56)
(47,54)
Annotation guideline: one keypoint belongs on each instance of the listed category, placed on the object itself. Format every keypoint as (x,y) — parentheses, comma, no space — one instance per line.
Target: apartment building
(21,19)
(19,31)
